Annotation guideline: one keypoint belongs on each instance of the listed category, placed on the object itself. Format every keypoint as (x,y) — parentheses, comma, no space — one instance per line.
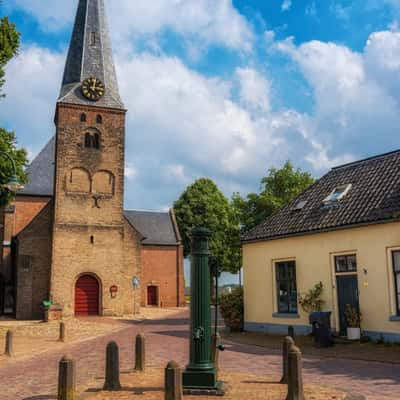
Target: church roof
(41,172)
(90,55)
(158,228)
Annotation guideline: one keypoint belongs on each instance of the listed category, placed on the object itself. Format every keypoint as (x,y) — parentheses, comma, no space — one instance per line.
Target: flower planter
(353,333)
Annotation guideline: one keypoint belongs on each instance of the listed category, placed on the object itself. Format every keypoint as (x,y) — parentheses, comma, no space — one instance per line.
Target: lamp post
(200,376)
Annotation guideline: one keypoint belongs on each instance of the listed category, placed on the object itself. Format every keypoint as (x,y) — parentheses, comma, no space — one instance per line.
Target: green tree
(8,145)
(9,44)
(203,204)
(277,189)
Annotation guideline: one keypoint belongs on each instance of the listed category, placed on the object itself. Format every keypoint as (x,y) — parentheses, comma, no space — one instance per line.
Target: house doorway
(152,296)
(87,296)
(346,287)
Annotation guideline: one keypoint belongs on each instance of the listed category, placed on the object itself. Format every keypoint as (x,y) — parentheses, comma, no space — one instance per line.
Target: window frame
(346,256)
(291,283)
(346,188)
(396,286)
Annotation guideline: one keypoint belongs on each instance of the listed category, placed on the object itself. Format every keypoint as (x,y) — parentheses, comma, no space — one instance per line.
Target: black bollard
(140,353)
(9,350)
(173,382)
(112,382)
(295,375)
(291,331)
(288,342)
(62,334)
(66,379)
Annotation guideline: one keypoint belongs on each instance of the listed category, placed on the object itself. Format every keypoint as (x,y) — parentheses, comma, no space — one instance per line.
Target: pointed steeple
(90,56)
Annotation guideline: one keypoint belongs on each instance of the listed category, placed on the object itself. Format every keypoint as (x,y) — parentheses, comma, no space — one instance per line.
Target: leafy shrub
(232,308)
(353,317)
(312,300)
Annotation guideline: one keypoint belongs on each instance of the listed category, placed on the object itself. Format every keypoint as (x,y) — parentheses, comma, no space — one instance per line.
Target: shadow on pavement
(41,397)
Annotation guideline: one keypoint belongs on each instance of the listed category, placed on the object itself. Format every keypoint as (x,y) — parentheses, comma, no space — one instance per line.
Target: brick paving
(36,378)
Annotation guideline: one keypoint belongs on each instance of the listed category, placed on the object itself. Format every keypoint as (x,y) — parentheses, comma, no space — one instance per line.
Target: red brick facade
(162,267)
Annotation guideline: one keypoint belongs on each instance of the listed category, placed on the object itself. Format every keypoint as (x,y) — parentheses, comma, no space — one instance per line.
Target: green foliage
(277,189)
(232,308)
(353,317)
(8,144)
(9,44)
(202,204)
(312,301)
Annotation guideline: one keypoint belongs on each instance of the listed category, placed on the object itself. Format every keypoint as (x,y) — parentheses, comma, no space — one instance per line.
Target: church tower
(89,275)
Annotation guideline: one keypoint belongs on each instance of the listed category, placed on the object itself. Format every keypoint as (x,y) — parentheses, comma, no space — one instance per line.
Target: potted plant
(312,300)
(353,319)
(232,309)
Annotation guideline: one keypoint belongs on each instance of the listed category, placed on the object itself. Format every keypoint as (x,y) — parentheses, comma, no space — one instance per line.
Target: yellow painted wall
(314,256)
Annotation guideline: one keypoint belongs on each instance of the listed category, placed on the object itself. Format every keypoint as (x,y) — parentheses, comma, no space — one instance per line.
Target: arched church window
(83,117)
(92,140)
(103,183)
(78,181)
(99,119)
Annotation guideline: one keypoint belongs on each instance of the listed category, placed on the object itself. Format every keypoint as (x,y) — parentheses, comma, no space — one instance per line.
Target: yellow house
(344,231)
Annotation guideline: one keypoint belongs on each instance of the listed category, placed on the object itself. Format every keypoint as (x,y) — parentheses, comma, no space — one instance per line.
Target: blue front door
(347,291)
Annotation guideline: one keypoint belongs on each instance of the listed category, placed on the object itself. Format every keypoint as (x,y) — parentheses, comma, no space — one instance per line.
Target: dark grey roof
(156,227)
(90,59)
(41,172)
(373,198)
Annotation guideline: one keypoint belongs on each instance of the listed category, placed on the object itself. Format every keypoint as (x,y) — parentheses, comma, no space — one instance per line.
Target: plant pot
(353,333)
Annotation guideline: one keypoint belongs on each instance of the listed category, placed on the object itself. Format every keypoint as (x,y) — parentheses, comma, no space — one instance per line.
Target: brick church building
(67,237)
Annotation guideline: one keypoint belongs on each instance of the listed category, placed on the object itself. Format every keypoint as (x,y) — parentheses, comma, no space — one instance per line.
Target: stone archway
(87,296)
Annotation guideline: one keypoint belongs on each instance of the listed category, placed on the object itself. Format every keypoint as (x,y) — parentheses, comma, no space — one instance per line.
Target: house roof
(90,55)
(41,172)
(158,228)
(374,197)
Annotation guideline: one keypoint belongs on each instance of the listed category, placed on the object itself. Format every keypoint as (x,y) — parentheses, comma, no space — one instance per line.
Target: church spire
(90,56)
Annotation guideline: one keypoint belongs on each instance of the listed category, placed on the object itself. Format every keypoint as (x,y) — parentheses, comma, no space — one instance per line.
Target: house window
(92,141)
(286,287)
(346,263)
(338,193)
(83,117)
(396,271)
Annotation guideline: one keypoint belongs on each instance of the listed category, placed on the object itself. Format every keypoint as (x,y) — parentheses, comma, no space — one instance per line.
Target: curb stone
(352,396)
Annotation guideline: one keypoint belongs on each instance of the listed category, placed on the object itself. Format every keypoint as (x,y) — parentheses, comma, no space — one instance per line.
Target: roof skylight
(299,205)
(338,193)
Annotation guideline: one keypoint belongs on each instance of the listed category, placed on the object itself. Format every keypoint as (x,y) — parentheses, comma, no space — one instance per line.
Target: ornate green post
(200,376)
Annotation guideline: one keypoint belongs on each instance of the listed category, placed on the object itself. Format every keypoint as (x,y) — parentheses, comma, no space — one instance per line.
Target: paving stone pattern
(36,378)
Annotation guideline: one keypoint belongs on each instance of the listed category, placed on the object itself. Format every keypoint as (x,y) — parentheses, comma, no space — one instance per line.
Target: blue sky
(223,89)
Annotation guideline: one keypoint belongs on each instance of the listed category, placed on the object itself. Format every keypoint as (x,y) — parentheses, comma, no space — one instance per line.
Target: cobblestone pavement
(36,378)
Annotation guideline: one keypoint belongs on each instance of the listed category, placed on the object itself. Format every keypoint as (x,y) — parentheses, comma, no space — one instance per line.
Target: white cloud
(203,22)
(286,5)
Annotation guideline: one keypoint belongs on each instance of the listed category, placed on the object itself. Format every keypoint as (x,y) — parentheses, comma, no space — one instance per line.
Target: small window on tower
(83,117)
(92,141)
(99,119)
(93,39)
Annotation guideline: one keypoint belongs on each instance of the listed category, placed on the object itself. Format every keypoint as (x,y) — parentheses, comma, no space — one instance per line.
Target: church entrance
(152,296)
(87,296)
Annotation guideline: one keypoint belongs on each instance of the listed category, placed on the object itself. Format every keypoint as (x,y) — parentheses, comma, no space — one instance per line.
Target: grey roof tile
(41,172)
(156,227)
(373,198)
(90,59)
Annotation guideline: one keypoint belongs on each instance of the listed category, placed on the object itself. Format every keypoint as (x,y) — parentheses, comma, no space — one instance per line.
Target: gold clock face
(93,88)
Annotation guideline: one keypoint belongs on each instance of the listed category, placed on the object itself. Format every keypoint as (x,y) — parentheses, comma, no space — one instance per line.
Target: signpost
(200,376)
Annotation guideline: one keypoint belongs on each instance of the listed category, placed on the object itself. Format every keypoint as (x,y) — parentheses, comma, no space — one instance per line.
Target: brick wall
(90,233)
(33,265)
(162,266)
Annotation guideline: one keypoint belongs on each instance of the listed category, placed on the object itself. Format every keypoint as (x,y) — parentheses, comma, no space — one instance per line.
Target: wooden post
(112,382)
(140,353)
(295,375)
(288,342)
(9,350)
(66,379)
(173,382)
(62,336)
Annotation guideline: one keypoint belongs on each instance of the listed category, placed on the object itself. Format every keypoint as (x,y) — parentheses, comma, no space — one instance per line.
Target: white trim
(340,197)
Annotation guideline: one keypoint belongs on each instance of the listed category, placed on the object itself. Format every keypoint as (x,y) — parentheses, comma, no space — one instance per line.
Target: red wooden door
(152,299)
(87,296)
